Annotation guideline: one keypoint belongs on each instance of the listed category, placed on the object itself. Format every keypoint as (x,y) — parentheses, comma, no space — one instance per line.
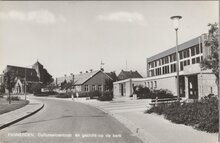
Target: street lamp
(176,27)
(102,76)
(25,86)
(25,82)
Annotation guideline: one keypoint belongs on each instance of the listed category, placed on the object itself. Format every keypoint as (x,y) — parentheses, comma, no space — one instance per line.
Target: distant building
(161,72)
(35,74)
(128,74)
(86,82)
(113,76)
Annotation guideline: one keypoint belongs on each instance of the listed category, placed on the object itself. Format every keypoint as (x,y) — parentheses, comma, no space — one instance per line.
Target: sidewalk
(152,128)
(12,117)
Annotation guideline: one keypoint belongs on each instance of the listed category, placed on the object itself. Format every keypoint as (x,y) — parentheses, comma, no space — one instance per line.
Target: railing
(155,102)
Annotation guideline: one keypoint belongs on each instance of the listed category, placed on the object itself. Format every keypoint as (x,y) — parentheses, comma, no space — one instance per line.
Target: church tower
(38,68)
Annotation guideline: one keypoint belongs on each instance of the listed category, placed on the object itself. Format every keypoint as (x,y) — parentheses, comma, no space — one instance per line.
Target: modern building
(86,82)
(126,80)
(194,82)
(124,88)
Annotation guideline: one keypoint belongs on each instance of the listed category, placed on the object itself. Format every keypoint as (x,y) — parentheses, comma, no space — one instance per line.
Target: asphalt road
(67,122)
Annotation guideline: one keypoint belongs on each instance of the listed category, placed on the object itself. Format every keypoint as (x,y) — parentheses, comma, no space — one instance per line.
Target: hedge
(46,93)
(202,115)
(13,98)
(107,95)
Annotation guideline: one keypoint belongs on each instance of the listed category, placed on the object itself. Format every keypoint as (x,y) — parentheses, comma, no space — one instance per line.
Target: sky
(73,36)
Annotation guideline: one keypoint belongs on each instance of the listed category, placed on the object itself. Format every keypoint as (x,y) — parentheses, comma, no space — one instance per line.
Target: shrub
(50,93)
(2,89)
(107,96)
(36,88)
(47,93)
(40,94)
(162,93)
(145,92)
(64,95)
(91,94)
(202,115)
(142,92)
(157,109)
(208,115)
(13,98)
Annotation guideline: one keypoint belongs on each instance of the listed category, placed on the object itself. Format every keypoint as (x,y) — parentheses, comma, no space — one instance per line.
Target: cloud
(131,17)
(41,16)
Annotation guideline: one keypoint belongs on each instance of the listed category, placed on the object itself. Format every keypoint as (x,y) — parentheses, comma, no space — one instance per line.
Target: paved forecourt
(151,128)
(120,106)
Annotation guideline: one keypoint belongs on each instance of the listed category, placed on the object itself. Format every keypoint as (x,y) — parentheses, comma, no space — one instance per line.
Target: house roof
(170,51)
(79,79)
(22,72)
(82,78)
(128,74)
(112,75)
(59,80)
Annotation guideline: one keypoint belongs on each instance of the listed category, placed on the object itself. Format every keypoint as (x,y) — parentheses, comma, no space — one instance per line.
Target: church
(29,75)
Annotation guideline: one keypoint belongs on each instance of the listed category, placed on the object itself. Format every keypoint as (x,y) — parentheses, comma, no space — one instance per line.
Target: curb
(21,118)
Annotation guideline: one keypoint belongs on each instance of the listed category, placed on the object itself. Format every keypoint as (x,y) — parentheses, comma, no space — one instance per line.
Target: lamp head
(176,21)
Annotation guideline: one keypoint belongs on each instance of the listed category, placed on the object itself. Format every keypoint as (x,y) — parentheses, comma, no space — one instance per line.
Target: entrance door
(122,90)
(193,87)
(182,86)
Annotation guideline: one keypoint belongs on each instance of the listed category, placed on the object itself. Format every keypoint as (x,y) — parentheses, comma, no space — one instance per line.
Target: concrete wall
(116,90)
(207,85)
(162,83)
(128,87)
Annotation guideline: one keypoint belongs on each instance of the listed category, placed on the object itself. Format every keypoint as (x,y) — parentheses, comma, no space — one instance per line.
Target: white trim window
(99,87)
(86,87)
(93,88)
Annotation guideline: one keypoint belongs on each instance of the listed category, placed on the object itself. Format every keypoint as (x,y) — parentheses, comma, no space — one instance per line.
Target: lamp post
(25,86)
(25,81)
(176,27)
(102,76)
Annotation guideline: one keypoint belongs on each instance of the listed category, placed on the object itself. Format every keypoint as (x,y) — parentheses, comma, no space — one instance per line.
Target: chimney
(86,71)
(90,70)
(80,72)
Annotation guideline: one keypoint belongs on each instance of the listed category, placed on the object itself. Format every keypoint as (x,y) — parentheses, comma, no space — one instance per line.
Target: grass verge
(6,107)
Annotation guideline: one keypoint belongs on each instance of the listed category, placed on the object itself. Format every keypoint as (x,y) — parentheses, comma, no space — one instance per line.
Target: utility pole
(25,86)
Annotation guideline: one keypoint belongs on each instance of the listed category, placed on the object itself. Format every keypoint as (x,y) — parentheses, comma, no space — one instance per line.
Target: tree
(9,82)
(51,87)
(212,60)
(2,88)
(46,78)
(109,84)
(63,84)
(36,87)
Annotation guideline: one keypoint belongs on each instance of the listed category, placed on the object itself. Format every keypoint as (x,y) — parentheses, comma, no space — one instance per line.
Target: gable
(97,79)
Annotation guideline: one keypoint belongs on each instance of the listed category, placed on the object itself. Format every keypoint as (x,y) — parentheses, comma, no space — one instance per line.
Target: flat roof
(170,51)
